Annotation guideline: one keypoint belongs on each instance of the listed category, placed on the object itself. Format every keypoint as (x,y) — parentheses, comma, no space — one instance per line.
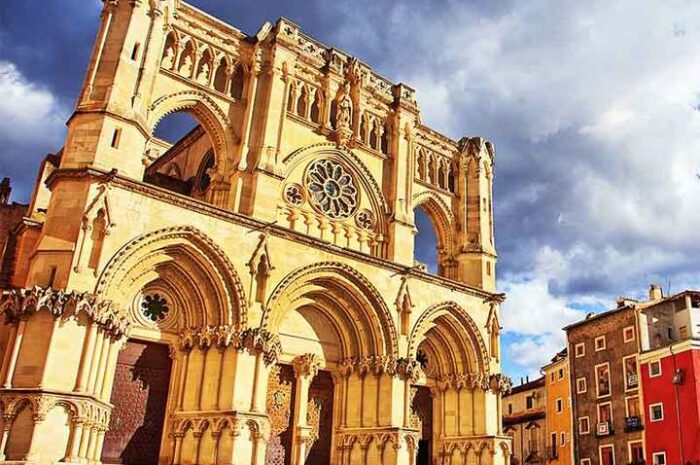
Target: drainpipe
(678,407)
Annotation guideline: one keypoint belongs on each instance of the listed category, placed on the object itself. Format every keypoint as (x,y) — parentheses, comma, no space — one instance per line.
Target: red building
(670,375)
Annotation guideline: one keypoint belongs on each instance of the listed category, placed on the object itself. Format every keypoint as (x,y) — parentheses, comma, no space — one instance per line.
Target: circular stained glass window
(331,189)
(154,307)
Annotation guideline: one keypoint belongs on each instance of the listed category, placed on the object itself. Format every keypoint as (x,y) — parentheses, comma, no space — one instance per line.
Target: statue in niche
(344,109)
(186,68)
(203,77)
(168,58)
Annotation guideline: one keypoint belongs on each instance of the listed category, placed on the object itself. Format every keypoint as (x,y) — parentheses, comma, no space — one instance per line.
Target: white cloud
(28,112)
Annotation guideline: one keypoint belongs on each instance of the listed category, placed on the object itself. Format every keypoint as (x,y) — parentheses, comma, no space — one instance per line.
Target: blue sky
(592,107)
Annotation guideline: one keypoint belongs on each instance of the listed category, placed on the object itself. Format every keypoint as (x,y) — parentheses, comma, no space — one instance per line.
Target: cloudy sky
(593,108)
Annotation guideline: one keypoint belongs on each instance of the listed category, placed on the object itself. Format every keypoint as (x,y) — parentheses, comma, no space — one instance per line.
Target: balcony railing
(633,423)
(632,381)
(552,452)
(604,428)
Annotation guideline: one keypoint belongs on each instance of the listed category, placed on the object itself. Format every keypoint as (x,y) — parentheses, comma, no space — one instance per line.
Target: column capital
(306,365)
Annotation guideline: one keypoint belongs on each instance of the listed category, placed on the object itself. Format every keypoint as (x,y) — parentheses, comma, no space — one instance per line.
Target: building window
(654,369)
(605,413)
(632,406)
(600,343)
(116,137)
(583,425)
(561,373)
(551,377)
(585,462)
(581,385)
(630,369)
(656,412)
(602,380)
(628,334)
(560,405)
(580,349)
(636,452)
(658,458)
(510,409)
(563,438)
(607,455)
(529,402)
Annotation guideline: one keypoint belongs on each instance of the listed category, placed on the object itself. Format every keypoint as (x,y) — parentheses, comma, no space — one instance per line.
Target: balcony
(604,428)
(552,452)
(633,423)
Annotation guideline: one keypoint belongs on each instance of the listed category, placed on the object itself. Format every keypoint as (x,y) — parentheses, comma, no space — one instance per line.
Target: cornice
(189,203)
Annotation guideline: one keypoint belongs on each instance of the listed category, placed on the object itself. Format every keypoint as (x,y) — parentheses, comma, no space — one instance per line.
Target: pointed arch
(207,112)
(173,259)
(454,336)
(440,215)
(346,299)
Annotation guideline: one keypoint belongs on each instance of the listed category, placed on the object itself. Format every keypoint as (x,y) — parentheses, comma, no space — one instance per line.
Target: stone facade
(251,297)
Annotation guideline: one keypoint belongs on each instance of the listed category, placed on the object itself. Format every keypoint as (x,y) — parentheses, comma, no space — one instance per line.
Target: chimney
(5,190)
(655,292)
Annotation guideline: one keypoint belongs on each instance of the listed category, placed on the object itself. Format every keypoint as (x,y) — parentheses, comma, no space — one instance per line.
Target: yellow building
(249,295)
(525,422)
(558,410)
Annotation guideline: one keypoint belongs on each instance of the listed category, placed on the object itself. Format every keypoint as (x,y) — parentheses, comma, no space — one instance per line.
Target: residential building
(524,421)
(608,421)
(670,374)
(248,294)
(558,433)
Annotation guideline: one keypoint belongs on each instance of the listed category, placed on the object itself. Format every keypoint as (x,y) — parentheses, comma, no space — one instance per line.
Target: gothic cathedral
(249,294)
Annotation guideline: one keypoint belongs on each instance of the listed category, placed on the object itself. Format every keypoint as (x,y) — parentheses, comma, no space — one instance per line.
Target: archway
(192,146)
(181,155)
(448,345)
(329,316)
(433,242)
(187,307)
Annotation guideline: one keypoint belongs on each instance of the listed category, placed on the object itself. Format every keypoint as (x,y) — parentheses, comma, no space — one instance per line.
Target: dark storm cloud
(592,107)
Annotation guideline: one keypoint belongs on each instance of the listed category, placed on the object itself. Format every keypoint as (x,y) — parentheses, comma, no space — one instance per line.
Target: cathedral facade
(249,294)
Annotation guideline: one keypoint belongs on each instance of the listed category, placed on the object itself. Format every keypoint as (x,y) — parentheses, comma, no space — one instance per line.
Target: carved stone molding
(260,341)
(21,304)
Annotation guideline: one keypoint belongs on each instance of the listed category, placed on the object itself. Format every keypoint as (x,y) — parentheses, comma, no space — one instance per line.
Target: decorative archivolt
(463,326)
(348,158)
(214,120)
(188,256)
(343,289)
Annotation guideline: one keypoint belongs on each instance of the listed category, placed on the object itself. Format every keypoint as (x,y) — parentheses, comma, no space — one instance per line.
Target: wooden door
(139,397)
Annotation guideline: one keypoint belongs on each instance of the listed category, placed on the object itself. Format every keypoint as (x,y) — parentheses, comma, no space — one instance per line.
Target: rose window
(155,307)
(331,189)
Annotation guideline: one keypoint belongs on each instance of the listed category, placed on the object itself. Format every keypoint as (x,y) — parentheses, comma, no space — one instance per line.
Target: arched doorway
(162,413)
(335,332)
(446,342)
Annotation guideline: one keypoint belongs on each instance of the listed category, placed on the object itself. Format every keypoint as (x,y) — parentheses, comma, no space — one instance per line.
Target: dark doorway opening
(139,397)
(422,408)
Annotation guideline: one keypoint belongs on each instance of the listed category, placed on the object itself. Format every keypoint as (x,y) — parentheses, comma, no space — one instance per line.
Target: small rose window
(331,189)
(155,307)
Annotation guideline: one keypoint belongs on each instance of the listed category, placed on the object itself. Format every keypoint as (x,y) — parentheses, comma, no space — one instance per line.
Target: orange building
(558,410)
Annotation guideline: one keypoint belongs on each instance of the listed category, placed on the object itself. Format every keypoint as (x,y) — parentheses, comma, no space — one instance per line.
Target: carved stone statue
(203,77)
(168,58)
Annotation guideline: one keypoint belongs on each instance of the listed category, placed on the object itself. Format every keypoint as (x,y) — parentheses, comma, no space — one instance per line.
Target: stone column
(5,434)
(15,353)
(305,369)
